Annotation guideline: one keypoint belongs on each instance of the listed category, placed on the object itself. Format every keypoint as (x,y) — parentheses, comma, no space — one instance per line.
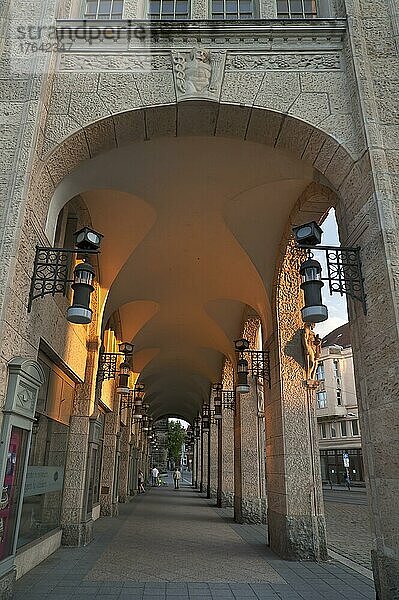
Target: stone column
(76,522)
(213,460)
(201,461)
(219,463)
(209,461)
(123,491)
(205,461)
(368,216)
(295,506)
(247,487)
(227,491)
(197,462)
(109,507)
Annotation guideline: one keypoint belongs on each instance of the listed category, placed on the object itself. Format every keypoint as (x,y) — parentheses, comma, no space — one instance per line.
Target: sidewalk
(172,545)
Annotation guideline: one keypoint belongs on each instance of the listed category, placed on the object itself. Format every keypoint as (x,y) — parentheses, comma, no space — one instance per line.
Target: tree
(176,437)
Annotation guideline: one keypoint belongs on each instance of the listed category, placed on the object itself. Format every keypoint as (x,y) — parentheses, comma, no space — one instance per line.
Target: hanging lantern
(124,373)
(87,239)
(126,348)
(80,311)
(218,407)
(314,310)
(242,376)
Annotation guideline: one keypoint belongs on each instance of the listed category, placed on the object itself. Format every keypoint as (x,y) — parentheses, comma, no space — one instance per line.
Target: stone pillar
(196,462)
(219,463)
(76,521)
(207,458)
(295,506)
(108,503)
(132,483)
(123,492)
(227,490)
(368,216)
(247,487)
(214,460)
(201,461)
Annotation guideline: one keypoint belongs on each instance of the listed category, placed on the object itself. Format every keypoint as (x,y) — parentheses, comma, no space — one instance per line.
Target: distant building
(336,409)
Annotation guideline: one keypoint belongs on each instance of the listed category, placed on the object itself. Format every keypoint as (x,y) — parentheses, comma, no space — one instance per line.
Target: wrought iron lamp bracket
(108,365)
(344,271)
(127,400)
(228,399)
(51,271)
(259,364)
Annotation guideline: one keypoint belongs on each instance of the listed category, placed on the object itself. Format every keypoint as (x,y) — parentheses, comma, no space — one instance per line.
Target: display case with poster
(11,490)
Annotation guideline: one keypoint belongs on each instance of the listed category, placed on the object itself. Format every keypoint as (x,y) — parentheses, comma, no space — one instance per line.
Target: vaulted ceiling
(191,229)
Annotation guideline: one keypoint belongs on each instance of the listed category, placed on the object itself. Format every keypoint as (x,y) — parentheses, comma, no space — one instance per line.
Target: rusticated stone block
(7,582)
(299,537)
(252,511)
(227,499)
(77,534)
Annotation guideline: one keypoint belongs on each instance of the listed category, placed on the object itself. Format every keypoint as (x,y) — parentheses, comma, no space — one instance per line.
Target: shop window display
(45,472)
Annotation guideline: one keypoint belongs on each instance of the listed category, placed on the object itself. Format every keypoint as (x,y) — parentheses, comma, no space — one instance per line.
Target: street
(348,525)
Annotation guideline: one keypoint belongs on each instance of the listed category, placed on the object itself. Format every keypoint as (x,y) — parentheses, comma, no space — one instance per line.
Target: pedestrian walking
(154,476)
(347,480)
(141,482)
(176,477)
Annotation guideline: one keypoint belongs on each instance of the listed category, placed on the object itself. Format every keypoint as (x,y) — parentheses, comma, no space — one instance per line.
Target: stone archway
(375,336)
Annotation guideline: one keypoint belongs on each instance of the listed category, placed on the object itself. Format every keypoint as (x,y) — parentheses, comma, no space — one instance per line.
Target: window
(320,371)
(323,431)
(343,429)
(336,368)
(103,9)
(321,399)
(296,9)
(333,430)
(168,9)
(339,397)
(355,427)
(232,9)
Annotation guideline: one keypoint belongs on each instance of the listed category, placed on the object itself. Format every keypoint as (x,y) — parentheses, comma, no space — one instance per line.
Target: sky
(336,304)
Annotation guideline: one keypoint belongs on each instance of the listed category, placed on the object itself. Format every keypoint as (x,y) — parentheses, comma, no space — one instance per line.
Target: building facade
(337,410)
(193,136)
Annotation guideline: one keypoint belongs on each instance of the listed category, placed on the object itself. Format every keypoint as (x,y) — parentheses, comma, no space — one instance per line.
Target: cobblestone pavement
(173,545)
(348,529)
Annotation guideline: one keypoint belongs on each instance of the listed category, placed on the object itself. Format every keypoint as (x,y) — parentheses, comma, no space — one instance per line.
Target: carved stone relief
(25,399)
(135,62)
(198,73)
(296,62)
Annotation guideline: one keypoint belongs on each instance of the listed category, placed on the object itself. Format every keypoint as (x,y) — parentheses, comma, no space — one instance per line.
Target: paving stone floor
(173,545)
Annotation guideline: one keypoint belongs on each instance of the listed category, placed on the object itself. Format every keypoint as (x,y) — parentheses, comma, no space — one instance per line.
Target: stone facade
(323,92)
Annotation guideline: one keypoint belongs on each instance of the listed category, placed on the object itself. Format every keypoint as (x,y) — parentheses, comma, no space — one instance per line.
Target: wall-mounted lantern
(197,427)
(124,374)
(344,272)
(51,271)
(107,361)
(206,417)
(314,310)
(259,365)
(242,386)
(224,399)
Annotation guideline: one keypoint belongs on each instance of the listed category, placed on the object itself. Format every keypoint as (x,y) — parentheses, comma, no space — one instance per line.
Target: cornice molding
(272,28)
